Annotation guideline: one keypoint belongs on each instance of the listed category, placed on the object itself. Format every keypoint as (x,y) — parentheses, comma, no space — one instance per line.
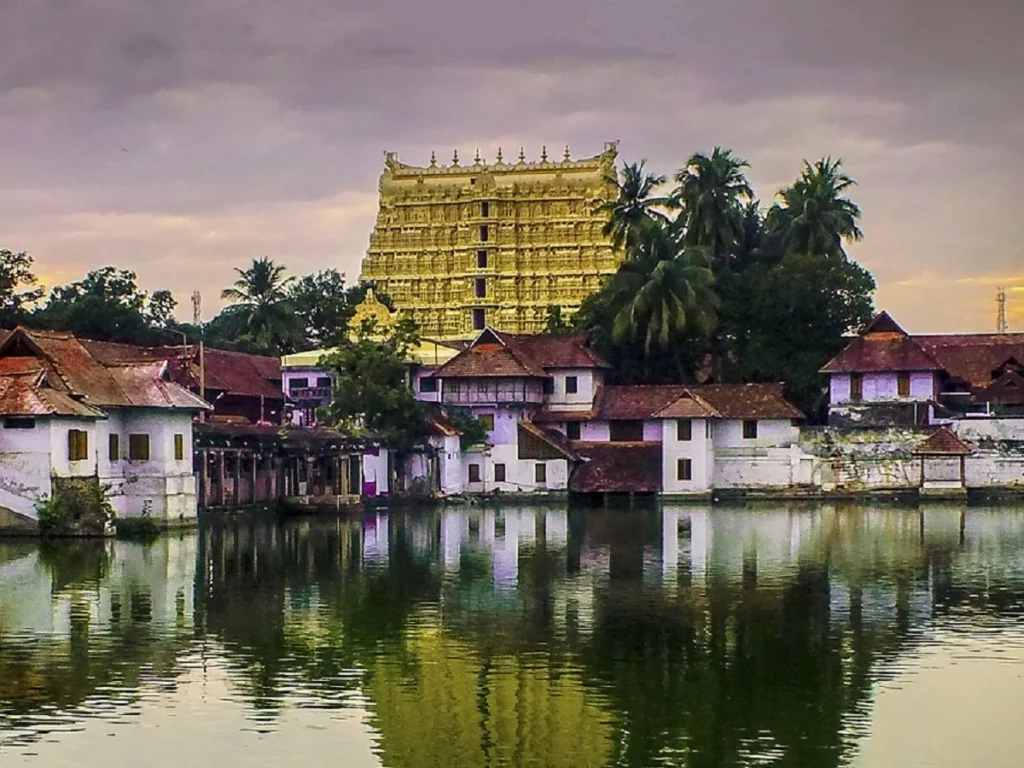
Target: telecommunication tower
(1001,324)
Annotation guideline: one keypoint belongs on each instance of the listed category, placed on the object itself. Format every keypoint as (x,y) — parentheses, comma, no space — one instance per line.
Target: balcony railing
(310,393)
(493,396)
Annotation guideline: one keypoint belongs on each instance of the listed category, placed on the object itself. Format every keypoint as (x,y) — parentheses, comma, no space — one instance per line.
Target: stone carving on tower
(456,247)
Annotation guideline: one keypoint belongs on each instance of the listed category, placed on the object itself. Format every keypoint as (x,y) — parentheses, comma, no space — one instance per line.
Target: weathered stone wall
(868,459)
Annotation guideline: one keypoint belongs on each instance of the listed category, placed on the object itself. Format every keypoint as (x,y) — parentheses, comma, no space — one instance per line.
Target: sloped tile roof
(550,351)
(617,468)
(973,357)
(496,354)
(636,401)
(882,354)
(688,406)
(943,442)
(72,371)
(552,437)
(748,401)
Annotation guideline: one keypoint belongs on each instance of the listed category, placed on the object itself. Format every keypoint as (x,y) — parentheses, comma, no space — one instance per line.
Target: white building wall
(922,385)
(595,431)
(163,487)
(60,463)
(25,466)
(375,470)
(699,450)
(520,474)
(838,388)
(449,456)
(587,380)
(771,433)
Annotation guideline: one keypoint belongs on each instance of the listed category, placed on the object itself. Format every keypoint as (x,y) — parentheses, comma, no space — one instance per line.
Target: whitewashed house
(554,426)
(67,415)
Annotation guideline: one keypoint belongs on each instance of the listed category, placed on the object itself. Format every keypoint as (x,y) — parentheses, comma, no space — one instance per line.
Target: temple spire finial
(476,157)
(544,153)
(522,155)
(455,158)
(500,157)
(565,156)
(433,159)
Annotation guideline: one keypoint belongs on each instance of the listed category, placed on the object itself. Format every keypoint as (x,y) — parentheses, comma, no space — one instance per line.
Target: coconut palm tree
(663,291)
(813,217)
(635,207)
(712,191)
(260,299)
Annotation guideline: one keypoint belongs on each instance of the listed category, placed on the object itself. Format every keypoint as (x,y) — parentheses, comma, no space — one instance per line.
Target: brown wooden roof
(617,468)
(943,443)
(503,355)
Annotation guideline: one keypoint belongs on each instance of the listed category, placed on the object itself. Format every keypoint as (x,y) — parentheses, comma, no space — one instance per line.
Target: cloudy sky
(181,139)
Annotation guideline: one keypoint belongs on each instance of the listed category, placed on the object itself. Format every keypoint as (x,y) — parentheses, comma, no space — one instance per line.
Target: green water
(689,636)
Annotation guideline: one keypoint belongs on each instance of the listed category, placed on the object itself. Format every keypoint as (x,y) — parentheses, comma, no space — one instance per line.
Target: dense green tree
(107,304)
(812,216)
(712,192)
(18,288)
(264,317)
(371,388)
(647,317)
(636,207)
(325,306)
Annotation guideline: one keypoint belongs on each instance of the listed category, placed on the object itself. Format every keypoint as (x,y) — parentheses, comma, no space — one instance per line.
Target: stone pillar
(237,490)
(221,480)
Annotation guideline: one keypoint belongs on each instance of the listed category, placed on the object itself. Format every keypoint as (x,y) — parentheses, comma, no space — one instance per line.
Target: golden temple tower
(458,247)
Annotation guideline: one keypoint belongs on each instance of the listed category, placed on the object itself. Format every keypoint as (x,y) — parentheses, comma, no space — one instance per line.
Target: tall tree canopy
(636,207)
(107,304)
(265,320)
(18,287)
(723,290)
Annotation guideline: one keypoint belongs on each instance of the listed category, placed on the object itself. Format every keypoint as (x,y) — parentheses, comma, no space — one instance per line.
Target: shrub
(78,507)
(144,528)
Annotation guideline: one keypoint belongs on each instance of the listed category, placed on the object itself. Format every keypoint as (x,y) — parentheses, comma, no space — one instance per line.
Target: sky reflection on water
(691,636)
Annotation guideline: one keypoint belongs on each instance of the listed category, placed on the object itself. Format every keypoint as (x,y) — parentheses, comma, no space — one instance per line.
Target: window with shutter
(138,447)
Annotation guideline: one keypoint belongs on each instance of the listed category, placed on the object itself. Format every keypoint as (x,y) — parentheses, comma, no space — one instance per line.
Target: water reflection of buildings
(487,633)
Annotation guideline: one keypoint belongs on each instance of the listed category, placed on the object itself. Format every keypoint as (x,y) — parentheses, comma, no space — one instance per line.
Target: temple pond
(681,635)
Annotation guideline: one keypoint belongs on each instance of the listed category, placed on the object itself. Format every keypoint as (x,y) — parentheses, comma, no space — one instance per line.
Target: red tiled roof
(72,370)
(882,354)
(489,360)
(23,392)
(617,468)
(637,401)
(747,401)
(556,351)
(496,354)
(1007,389)
(237,373)
(555,439)
(943,443)
(973,358)
(689,405)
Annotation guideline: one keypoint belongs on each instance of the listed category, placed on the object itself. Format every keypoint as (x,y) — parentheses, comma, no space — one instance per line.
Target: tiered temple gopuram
(458,247)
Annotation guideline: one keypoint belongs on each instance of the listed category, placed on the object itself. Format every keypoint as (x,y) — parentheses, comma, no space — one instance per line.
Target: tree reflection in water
(521,636)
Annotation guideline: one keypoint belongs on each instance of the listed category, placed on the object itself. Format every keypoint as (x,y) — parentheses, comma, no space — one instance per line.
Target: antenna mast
(197,321)
(1001,324)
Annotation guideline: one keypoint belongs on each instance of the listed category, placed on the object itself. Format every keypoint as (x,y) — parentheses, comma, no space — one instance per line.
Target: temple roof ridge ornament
(603,162)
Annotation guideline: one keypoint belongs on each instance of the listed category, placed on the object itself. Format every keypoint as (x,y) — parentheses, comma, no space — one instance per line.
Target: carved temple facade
(461,247)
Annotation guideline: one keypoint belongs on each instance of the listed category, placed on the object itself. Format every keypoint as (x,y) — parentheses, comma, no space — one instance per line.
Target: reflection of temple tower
(460,246)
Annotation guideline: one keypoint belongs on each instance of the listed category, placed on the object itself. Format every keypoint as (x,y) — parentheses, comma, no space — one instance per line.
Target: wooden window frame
(684,430)
(572,385)
(856,387)
(499,473)
(78,445)
(750,429)
(113,447)
(684,470)
(135,443)
(179,446)
(573,430)
(474,473)
(903,384)
(540,473)
(634,435)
